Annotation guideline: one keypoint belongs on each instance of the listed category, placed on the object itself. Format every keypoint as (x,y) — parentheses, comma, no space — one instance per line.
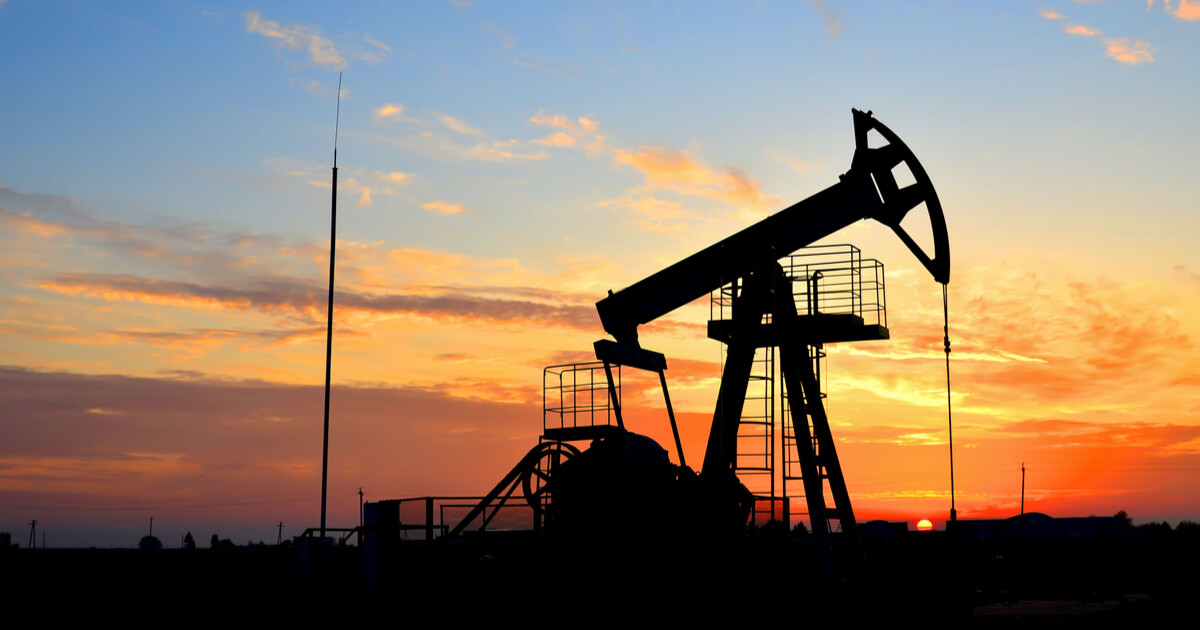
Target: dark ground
(920,578)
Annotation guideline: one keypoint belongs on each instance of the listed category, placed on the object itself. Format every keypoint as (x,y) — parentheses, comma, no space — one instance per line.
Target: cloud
(372,57)
(833,21)
(445,207)
(316,88)
(1079,29)
(541,66)
(376,43)
(570,132)
(303,296)
(396,177)
(55,217)
(196,342)
(349,185)
(681,172)
(1188,10)
(650,214)
(1050,14)
(392,111)
(200,449)
(454,124)
(321,50)
(56,206)
(1130,53)
(803,167)
(508,41)
(1097,351)
(443,148)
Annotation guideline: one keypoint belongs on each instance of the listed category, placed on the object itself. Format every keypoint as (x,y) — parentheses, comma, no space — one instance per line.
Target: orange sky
(163,245)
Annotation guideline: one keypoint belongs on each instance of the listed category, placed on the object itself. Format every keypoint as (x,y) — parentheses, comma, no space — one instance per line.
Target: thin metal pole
(329,325)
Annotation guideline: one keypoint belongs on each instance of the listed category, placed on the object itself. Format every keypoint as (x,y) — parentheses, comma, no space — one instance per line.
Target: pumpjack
(623,473)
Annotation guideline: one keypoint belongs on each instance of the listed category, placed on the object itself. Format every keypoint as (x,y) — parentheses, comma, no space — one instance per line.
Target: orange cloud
(391,111)
(321,50)
(1079,29)
(24,223)
(1050,14)
(680,172)
(650,214)
(1128,53)
(445,207)
(396,177)
(570,132)
(454,124)
(302,296)
(495,151)
(1188,10)
(194,343)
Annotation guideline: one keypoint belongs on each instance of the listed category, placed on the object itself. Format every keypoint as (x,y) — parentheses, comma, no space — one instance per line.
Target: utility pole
(279,540)
(32,535)
(1022,488)
(360,507)
(151,526)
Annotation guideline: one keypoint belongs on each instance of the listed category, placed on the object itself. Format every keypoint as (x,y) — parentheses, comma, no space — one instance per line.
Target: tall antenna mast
(329,325)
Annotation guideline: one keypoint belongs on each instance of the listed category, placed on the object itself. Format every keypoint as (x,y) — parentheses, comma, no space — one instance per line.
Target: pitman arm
(867,190)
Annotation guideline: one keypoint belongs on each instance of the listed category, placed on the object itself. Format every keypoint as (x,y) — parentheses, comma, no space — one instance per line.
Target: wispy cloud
(649,213)
(396,177)
(565,72)
(292,294)
(804,167)
(372,57)
(392,112)
(833,21)
(349,185)
(445,207)
(1188,10)
(582,131)
(1132,53)
(316,88)
(1050,14)
(1079,29)
(504,37)
(183,443)
(439,147)
(320,49)
(454,124)
(681,172)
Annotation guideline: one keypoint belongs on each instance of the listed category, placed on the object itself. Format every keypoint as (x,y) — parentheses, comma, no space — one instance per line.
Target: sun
(924,525)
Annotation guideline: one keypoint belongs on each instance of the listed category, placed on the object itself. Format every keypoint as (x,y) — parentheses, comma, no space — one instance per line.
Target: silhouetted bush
(149,542)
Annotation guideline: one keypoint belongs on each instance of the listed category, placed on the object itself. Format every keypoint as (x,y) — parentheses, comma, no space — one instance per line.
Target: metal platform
(818,329)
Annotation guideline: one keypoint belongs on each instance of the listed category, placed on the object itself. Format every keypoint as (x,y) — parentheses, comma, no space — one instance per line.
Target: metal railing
(576,395)
(830,279)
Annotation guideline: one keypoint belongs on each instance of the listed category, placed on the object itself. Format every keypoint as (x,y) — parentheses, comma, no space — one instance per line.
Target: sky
(164,239)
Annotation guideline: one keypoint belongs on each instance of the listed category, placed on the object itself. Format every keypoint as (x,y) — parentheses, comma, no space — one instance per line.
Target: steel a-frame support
(768,293)
(804,398)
